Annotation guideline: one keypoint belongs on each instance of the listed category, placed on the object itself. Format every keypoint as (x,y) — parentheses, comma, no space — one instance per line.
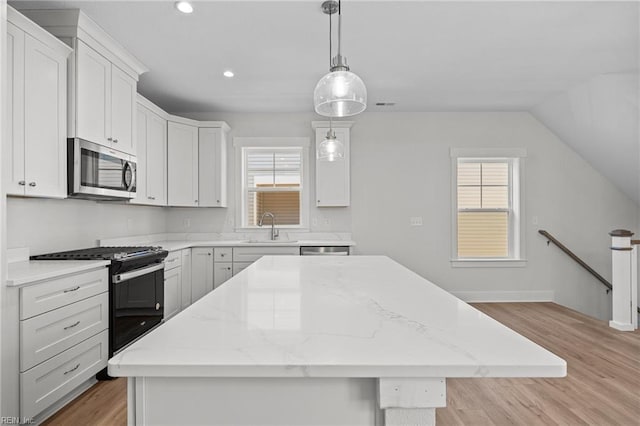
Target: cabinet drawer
(49,334)
(46,383)
(173,260)
(251,254)
(53,294)
(222,254)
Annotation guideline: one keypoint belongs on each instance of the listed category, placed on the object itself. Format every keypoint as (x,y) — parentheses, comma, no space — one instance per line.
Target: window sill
(488,263)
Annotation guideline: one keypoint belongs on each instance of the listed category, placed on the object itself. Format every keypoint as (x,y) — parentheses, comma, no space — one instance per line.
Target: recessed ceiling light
(184,6)
(228,73)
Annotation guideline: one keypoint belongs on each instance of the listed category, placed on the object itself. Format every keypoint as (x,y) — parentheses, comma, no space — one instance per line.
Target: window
(486,198)
(272,181)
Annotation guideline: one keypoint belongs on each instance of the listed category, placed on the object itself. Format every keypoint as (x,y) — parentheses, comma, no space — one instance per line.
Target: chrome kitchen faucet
(274,232)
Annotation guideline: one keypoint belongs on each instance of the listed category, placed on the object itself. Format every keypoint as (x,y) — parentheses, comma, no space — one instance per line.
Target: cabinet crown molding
(65,23)
(27,25)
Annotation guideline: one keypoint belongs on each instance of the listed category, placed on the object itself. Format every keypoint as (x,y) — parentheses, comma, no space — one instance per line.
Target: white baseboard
(505,296)
(620,326)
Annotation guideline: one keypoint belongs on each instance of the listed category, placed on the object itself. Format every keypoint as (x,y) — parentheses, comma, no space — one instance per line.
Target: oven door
(100,172)
(137,304)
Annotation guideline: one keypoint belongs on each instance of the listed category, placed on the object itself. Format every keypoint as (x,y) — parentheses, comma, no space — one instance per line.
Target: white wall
(401,168)
(257,125)
(46,225)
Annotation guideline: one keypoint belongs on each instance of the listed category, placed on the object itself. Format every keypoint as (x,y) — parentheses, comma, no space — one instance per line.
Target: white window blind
(485,211)
(272,183)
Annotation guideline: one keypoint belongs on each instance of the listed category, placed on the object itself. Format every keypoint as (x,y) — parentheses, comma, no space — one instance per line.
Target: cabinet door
(141,165)
(156,156)
(172,292)
(123,109)
(222,271)
(201,272)
(93,96)
(14,174)
(45,115)
(332,177)
(182,164)
(212,167)
(186,278)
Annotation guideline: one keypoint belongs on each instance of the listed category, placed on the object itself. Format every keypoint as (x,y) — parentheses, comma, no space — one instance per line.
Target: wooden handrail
(576,258)
(635,242)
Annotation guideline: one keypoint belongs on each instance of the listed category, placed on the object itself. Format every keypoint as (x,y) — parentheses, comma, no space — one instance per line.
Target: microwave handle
(138,272)
(128,165)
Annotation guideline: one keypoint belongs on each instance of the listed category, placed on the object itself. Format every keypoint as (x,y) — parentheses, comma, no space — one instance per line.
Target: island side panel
(251,401)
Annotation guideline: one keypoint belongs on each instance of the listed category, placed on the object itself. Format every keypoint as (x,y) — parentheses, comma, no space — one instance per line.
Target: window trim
(271,142)
(517,220)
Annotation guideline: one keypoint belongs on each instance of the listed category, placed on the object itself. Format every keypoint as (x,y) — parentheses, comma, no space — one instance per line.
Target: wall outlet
(187,223)
(230,221)
(129,224)
(327,222)
(534,220)
(415,221)
(314,221)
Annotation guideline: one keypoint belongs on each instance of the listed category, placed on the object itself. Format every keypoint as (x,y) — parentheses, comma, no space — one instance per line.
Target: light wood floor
(602,386)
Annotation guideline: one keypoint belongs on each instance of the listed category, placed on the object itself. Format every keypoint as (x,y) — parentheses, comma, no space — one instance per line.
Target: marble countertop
(355,316)
(29,272)
(179,245)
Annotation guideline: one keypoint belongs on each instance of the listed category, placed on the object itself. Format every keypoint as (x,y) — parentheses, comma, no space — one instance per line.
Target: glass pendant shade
(330,149)
(340,94)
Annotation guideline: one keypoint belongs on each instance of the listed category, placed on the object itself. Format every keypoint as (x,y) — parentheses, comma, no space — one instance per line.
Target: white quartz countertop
(29,272)
(355,316)
(179,245)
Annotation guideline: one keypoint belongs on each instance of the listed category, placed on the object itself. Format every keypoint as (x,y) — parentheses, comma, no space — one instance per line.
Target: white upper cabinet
(123,107)
(93,96)
(102,81)
(151,184)
(37,83)
(182,164)
(212,167)
(333,177)
(105,101)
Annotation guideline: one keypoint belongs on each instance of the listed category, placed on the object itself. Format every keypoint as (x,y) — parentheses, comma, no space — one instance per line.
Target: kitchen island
(357,340)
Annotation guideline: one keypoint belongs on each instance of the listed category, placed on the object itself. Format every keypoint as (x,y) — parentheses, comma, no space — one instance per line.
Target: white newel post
(624,281)
(411,401)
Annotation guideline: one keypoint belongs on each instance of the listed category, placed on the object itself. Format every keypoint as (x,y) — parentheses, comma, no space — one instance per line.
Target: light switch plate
(415,220)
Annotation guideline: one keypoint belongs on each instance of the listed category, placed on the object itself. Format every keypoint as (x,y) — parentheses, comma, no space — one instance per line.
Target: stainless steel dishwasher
(324,251)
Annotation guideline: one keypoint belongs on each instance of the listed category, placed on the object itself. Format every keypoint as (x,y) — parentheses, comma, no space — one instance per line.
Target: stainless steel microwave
(98,172)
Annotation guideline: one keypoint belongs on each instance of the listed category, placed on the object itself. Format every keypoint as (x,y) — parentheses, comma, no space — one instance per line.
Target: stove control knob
(157,306)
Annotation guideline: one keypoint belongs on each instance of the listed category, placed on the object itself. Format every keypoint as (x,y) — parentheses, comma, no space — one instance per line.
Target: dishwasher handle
(325,251)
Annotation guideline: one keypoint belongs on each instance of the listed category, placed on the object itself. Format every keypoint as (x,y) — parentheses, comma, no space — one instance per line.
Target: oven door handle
(138,272)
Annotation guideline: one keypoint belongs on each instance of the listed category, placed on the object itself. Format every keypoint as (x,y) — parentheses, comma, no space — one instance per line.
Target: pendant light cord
(330,40)
(339,27)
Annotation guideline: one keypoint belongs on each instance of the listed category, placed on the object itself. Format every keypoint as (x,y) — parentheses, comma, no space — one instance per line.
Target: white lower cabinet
(201,272)
(186,278)
(222,271)
(46,383)
(172,292)
(63,336)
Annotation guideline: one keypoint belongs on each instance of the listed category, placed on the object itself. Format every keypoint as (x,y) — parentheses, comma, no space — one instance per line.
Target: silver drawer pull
(72,370)
(72,325)
(69,290)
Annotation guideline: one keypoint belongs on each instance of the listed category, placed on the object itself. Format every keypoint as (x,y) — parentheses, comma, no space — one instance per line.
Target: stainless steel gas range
(136,290)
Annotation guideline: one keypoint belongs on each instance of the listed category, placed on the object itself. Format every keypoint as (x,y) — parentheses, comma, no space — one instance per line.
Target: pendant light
(331,148)
(340,93)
